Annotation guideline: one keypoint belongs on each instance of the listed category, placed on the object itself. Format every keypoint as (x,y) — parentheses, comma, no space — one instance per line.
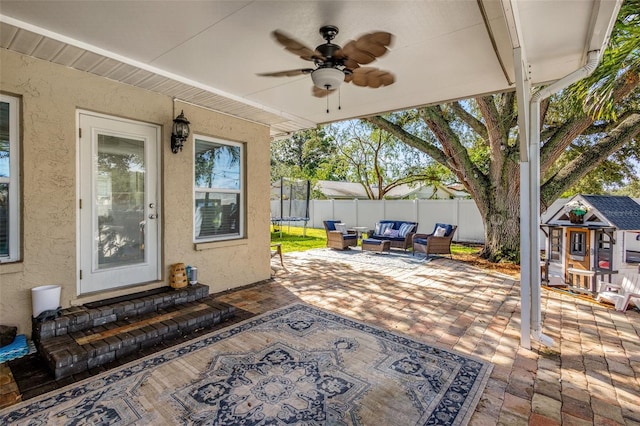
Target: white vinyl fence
(427,213)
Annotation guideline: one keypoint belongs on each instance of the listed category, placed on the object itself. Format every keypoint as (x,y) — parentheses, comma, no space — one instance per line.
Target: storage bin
(45,298)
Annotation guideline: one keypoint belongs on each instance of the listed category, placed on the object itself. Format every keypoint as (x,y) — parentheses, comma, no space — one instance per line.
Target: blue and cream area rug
(298,365)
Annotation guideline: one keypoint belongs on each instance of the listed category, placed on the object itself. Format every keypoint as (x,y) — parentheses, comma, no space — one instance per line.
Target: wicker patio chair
(430,244)
(337,239)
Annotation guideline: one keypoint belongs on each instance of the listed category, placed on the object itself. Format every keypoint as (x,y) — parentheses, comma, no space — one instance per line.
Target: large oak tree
(584,126)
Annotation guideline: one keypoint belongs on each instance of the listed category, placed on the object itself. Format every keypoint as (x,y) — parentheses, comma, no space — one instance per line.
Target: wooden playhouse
(591,238)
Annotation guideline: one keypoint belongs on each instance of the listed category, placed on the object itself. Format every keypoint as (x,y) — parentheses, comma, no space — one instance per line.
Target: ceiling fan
(335,64)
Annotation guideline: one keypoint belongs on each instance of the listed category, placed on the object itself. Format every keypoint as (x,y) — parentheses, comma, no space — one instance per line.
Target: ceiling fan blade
(321,93)
(297,48)
(352,53)
(286,73)
(372,77)
(348,62)
(368,47)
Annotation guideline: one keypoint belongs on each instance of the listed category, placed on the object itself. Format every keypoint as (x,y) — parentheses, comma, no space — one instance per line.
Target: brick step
(78,318)
(81,350)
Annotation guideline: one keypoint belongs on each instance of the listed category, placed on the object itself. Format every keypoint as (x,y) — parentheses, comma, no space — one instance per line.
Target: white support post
(533,200)
(534,218)
(523,91)
(525,259)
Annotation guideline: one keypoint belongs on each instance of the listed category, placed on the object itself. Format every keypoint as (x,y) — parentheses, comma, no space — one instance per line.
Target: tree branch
(477,125)
(567,132)
(590,159)
(409,139)
(496,134)
(508,112)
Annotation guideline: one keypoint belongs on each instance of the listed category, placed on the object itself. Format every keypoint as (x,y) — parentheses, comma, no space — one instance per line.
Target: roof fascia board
(499,34)
(512,16)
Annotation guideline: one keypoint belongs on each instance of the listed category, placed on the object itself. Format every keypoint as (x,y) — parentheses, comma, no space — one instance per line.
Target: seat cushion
(387,238)
(349,236)
(371,241)
(422,241)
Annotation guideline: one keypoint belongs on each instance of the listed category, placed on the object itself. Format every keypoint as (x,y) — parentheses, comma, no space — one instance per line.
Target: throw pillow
(381,227)
(392,233)
(440,232)
(342,227)
(405,228)
(448,228)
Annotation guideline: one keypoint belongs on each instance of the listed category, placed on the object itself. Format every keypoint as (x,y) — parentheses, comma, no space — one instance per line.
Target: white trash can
(45,298)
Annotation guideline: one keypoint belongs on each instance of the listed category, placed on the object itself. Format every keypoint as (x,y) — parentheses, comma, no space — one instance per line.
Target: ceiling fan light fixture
(327,78)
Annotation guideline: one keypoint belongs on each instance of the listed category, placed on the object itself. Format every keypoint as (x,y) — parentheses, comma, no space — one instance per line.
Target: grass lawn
(293,240)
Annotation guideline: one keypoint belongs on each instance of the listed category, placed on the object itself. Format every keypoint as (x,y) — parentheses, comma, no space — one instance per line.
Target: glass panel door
(119,224)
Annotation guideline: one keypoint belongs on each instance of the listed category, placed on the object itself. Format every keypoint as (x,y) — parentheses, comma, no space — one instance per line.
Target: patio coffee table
(378,246)
(360,230)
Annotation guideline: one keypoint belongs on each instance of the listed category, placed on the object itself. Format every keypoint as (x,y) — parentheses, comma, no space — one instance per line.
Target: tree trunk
(502,232)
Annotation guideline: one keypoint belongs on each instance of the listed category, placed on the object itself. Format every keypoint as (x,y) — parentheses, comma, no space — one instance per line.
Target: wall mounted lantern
(179,132)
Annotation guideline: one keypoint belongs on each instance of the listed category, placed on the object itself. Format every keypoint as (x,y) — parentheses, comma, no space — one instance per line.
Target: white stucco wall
(50,96)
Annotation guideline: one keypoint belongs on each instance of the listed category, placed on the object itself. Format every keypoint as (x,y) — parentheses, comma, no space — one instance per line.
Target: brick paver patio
(591,375)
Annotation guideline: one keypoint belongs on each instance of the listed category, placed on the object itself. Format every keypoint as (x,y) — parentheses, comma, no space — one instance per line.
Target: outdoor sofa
(398,232)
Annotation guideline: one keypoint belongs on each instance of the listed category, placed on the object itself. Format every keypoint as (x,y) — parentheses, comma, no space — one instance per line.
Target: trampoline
(289,203)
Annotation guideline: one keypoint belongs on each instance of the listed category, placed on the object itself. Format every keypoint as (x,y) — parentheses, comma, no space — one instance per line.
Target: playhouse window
(555,240)
(578,243)
(631,247)
(604,250)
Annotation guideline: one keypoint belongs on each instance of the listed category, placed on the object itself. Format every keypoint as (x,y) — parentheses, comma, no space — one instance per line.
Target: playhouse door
(119,224)
(577,257)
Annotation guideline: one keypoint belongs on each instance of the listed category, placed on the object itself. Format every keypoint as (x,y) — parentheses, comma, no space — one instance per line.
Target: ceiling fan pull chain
(339,100)
(327,97)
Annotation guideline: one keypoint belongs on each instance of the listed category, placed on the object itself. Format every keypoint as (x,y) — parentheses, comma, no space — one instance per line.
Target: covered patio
(208,59)
(64,61)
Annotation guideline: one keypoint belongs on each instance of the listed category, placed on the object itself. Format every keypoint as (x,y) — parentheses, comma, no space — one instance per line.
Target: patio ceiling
(209,52)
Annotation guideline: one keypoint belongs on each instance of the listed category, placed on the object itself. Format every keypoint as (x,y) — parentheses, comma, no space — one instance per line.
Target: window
(555,240)
(577,243)
(604,250)
(219,186)
(9,180)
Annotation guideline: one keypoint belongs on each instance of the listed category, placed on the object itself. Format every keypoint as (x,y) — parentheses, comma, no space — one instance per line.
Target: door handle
(153,216)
